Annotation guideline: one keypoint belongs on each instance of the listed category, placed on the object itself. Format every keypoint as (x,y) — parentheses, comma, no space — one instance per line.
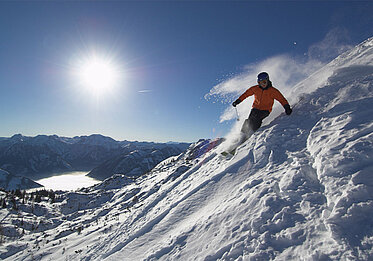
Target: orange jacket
(264,98)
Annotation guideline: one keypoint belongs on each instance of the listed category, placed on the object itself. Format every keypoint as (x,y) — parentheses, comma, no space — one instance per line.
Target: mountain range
(41,156)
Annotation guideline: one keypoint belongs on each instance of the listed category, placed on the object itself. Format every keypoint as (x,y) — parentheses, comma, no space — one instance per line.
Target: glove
(288,110)
(236,102)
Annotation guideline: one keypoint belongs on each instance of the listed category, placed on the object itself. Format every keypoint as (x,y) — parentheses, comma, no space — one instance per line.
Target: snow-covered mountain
(300,188)
(136,162)
(34,156)
(11,182)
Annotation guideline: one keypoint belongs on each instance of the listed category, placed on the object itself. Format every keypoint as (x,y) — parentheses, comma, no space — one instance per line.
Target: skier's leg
(243,135)
(245,131)
(249,126)
(245,126)
(256,118)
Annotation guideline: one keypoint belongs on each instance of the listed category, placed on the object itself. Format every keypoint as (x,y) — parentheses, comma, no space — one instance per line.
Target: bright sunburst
(98,75)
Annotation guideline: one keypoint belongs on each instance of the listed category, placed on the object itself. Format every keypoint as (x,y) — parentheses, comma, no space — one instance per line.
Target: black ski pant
(254,121)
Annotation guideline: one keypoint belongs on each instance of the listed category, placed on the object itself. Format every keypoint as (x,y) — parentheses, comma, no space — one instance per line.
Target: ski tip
(228,153)
(224,153)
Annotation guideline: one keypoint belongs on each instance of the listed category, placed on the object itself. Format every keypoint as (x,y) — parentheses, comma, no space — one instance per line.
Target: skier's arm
(278,96)
(246,94)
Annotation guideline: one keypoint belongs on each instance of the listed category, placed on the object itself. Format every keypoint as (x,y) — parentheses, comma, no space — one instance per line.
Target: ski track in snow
(300,188)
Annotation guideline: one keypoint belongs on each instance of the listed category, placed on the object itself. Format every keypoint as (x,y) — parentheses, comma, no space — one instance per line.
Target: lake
(68,181)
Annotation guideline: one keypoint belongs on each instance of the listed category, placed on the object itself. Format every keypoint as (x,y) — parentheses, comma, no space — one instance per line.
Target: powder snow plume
(285,73)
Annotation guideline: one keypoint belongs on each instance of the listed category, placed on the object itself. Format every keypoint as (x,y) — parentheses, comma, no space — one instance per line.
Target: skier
(264,94)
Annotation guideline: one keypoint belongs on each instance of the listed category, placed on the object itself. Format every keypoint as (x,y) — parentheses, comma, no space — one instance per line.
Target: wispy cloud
(145,91)
(334,43)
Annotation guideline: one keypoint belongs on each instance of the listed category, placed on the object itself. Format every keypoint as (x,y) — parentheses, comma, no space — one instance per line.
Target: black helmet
(263,76)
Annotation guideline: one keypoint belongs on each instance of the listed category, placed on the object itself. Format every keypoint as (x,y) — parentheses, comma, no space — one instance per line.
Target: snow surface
(301,188)
(12,182)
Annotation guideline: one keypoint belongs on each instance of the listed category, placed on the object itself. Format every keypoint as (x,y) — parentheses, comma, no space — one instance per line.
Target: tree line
(35,196)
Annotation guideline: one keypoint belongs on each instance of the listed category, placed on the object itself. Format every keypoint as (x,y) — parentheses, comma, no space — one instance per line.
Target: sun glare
(98,75)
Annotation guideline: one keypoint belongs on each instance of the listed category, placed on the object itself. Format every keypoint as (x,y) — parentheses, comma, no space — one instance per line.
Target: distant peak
(17,137)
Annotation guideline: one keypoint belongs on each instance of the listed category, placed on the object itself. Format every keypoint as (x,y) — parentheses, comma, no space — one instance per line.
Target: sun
(98,75)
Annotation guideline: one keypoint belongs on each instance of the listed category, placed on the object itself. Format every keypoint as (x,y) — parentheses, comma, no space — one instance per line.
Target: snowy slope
(301,188)
(11,182)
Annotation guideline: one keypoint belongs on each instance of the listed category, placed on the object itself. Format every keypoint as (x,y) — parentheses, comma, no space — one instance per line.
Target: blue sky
(169,54)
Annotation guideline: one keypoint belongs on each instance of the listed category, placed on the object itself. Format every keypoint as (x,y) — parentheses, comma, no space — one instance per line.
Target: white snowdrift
(300,188)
